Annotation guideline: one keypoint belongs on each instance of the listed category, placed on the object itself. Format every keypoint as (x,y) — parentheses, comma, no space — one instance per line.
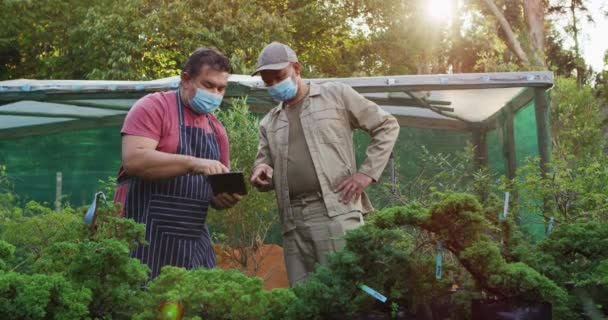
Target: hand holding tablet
(231,183)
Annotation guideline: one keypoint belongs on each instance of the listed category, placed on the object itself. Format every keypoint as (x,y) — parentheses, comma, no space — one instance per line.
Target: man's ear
(297,67)
(185,78)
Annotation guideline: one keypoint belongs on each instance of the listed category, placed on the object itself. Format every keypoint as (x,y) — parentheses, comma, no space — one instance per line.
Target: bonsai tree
(459,222)
(388,255)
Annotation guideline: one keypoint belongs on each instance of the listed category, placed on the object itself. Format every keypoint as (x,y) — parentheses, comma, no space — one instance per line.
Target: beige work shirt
(334,111)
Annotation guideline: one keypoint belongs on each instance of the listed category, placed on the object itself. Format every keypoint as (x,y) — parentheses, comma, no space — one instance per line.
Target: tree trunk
(506,27)
(534,12)
(580,64)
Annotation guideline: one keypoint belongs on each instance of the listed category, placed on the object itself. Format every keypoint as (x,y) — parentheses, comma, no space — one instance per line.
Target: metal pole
(58,185)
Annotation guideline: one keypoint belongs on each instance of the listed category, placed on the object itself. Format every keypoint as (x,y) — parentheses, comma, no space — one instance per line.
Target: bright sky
(593,39)
(594,42)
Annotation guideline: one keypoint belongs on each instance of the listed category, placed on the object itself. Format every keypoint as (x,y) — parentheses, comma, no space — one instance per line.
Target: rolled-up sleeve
(382,127)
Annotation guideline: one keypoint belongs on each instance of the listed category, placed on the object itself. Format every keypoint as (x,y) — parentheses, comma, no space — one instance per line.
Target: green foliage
(141,39)
(108,187)
(38,296)
(105,268)
(574,192)
(323,296)
(574,253)
(247,225)
(215,294)
(84,266)
(7,252)
(37,230)
(388,260)
(99,260)
(444,163)
(576,122)
(459,221)
(8,198)
(575,188)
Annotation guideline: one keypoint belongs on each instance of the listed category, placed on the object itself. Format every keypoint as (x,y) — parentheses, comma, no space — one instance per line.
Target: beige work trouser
(314,237)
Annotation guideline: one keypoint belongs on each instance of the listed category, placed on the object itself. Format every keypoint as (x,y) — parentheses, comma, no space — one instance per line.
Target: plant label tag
(373,293)
(506,208)
(439,262)
(550,227)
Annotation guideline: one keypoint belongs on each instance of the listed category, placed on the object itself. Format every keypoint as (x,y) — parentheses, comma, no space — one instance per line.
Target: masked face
(204,102)
(282,84)
(284,90)
(205,92)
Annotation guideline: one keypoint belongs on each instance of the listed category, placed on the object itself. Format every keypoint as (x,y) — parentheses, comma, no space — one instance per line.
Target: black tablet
(231,182)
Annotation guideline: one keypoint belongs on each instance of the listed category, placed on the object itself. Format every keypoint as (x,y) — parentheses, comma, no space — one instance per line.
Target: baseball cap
(275,56)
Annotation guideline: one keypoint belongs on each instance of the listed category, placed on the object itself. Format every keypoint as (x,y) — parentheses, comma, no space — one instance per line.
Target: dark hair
(206,56)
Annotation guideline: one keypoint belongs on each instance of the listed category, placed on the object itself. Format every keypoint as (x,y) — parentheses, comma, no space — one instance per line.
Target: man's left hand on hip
(352,188)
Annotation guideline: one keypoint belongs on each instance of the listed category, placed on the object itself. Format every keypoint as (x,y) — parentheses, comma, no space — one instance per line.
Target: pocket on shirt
(277,136)
(329,125)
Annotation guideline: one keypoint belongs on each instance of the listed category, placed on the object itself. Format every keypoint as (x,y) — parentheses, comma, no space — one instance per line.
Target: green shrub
(38,296)
(215,294)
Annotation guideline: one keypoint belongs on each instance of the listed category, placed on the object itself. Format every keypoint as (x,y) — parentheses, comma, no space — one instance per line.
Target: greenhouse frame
(475,103)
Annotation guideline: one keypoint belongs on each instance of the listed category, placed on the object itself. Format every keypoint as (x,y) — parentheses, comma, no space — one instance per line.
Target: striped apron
(174,210)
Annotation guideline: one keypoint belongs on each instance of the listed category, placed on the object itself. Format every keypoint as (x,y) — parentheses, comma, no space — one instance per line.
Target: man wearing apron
(170,142)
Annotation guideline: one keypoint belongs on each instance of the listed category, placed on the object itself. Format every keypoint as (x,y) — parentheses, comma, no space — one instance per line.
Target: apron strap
(180,112)
(180,109)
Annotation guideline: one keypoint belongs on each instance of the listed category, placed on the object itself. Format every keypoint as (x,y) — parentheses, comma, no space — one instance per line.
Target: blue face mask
(284,90)
(205,102)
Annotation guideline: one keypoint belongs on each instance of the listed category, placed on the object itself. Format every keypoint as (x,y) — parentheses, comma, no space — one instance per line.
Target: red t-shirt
(155,116)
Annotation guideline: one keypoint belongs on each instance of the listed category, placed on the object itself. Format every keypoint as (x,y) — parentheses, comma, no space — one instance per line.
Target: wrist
(367,177)
(190,163)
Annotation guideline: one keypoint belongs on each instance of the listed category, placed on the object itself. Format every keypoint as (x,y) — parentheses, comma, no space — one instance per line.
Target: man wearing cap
(306,155)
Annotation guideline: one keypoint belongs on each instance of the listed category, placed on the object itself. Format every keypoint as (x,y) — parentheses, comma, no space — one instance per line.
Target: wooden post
(58,186)
(509,145)
(542,130)
(481,147)
(480,160)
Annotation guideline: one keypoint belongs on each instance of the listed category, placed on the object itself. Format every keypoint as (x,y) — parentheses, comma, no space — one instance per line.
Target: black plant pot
(510,310)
